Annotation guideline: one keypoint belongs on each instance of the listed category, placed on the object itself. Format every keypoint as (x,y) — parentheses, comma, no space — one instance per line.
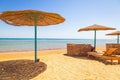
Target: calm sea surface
(27,44)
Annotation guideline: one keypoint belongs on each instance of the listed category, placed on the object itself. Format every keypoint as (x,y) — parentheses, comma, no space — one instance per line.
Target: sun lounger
(107,56)
(110,51)
(113,45)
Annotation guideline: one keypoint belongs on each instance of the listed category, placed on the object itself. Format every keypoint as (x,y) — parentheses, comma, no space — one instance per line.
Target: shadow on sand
(91,58)
(20,69)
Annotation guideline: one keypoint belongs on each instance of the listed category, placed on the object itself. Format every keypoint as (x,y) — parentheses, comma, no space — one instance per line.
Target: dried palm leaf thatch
(114,33)
(96,27)
(28,18)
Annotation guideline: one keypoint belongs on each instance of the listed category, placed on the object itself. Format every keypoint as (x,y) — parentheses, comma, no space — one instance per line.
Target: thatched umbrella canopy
(95,28)
(28,18)
(116,33)
(31,18)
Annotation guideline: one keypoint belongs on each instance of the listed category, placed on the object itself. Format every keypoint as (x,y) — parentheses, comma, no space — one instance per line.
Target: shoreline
(30,50)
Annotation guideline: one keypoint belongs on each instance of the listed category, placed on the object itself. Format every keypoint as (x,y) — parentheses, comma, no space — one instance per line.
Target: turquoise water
(27,44)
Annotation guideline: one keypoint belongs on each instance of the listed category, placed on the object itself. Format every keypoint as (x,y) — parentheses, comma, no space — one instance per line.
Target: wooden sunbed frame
(103,58)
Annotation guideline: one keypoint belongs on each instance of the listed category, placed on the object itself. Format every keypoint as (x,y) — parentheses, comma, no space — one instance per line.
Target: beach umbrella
(116,33)
(95,28)
(31,18)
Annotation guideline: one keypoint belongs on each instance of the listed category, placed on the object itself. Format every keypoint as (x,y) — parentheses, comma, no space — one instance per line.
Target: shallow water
(25,44)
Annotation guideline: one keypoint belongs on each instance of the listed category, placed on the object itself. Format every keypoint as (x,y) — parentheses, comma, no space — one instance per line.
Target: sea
(27,44)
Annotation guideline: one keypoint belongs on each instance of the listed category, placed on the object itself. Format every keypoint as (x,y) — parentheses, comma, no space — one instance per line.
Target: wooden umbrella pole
(95,40)
(118,38)
(35,40)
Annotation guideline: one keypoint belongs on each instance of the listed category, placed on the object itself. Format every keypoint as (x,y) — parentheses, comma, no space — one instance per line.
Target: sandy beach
(62,67)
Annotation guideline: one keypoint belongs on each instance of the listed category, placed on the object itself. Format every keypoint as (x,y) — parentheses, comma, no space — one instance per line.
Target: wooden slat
(114,46)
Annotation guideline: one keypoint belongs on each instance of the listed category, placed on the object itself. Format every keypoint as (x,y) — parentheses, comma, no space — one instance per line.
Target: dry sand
(61,67)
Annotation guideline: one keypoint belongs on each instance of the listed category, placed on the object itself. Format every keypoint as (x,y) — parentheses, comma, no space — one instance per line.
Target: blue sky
(78,14)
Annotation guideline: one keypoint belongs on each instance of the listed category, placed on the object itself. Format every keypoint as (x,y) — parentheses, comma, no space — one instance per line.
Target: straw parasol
(114,34)
(31,18)
(95,28)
